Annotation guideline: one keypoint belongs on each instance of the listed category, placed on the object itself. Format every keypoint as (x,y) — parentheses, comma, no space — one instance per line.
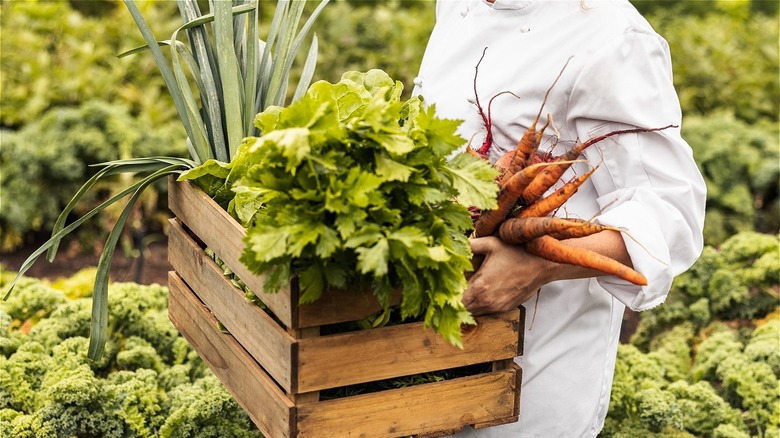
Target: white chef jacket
(619,76)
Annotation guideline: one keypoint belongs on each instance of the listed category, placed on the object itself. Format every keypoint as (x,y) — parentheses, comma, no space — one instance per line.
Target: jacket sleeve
(648,183)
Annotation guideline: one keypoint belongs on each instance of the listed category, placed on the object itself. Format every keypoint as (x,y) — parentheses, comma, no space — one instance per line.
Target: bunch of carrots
(523,215)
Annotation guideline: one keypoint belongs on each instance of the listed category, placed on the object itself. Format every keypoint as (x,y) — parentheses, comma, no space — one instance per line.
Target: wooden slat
(421,409)
(381,353)
(251,387)
(253,328)
(522,330)
(516,413)
(224,236)
(331,307)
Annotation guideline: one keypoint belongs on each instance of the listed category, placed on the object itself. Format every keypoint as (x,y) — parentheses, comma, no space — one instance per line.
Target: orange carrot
(529,142)
(550,176)
(545,206)
(528,145)
(489,220)
(521,230)
(554,250)
(585,228)
(553,173)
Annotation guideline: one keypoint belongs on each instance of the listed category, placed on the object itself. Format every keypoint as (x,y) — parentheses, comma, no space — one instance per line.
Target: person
(617,75)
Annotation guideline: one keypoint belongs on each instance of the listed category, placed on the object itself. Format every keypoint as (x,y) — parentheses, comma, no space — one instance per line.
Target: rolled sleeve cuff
(650,250)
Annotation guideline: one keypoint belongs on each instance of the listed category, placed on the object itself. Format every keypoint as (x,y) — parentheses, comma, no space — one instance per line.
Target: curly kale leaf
(149,381)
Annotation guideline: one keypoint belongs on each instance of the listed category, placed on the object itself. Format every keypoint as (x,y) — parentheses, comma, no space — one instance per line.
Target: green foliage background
(43,164)
(69,102)
(704,364)
(64,53)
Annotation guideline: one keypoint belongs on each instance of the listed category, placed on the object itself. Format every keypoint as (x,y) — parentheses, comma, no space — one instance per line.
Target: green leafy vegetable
(352,185)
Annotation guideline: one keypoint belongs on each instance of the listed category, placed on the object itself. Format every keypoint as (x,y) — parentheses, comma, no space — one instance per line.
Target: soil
(630,322)
(151,267)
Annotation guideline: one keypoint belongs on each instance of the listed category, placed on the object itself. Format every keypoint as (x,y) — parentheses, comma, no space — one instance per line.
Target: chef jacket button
(418,81)
(524,28)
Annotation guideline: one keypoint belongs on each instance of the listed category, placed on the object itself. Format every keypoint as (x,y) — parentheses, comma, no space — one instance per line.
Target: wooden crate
(278,364)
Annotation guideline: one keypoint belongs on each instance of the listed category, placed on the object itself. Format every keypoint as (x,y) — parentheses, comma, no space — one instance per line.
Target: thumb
(482,245)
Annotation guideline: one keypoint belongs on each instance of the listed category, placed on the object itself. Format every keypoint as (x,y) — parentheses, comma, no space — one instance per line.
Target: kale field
(704,364)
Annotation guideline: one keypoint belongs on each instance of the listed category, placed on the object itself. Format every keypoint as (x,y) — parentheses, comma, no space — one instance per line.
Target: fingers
(468,301)
(483,303)
(505,276)
(480,246)
(483,245)
(476,262)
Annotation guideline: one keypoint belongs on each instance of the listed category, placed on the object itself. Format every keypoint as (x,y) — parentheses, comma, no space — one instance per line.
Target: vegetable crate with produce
(346,227)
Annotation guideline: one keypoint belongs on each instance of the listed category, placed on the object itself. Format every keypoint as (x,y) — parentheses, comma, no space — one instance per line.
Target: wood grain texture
(422,409)
(401,350)
(252,327)
(220,232)
(258,395)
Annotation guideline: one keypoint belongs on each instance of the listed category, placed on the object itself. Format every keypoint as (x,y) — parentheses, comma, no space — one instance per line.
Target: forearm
(606,243)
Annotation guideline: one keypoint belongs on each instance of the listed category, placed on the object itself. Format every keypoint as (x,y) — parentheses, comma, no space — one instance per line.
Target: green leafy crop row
(150,383)
(707,362)
(715,382)
(723,61)
(739,280)
(54,56)
(43,165)
(740,163)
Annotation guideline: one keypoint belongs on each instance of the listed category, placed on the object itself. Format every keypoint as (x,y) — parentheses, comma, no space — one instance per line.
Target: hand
(505,276)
